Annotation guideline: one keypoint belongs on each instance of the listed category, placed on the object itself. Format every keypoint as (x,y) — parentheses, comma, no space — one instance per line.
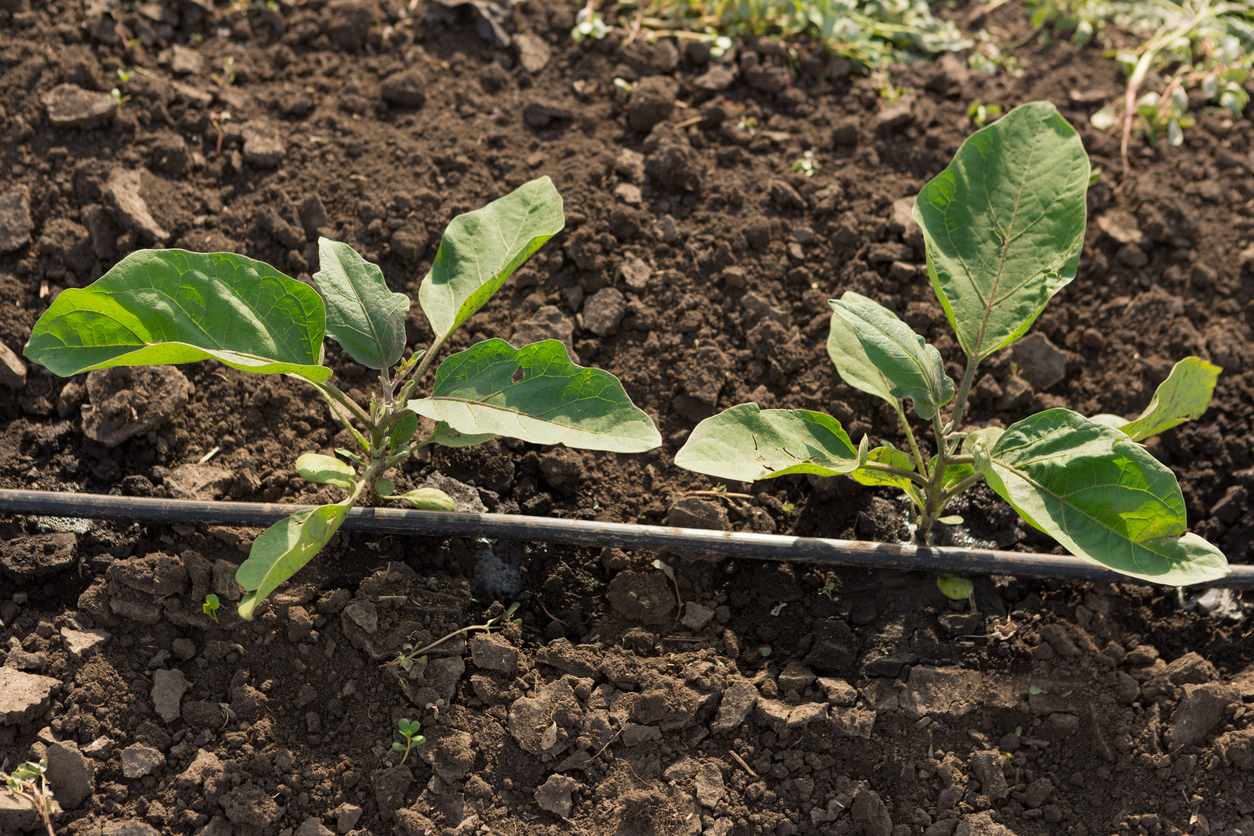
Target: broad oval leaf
(746,443)
(427,499)
(1004,225)
(282,549)
(850,358)
(912,367)
(404,430)
(172,306)
(363,316)
(1183,396)
(481,249)
(536,394)
(325,470)
(1102,496)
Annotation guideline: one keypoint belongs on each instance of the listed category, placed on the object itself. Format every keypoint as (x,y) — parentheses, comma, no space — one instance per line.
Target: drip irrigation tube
(593,534)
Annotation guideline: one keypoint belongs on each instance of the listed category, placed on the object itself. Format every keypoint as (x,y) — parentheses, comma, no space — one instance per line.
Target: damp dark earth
(698,258)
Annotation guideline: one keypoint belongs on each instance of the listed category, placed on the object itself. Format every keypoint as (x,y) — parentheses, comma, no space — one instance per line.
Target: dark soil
(696,265)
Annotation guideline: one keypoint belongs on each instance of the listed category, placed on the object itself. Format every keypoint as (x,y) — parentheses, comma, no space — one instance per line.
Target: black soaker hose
(957,560)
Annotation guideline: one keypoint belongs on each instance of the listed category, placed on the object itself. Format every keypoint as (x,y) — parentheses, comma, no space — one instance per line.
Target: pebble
(15,220)
(263,146)
(603,311)
(406,88)
(12,369)
(71,774)
(651,102)
(533,53)
(129,207)
(1041,363)
(70,106)
(139,760)
(127,402)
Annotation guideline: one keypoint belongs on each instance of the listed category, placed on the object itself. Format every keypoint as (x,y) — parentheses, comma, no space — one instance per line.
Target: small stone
(12,369)
(839,692)
(23,696)
(1038,792)
(539,114)
(651,102)
(263,146)
(533,53)
(15,220)
(70,106)
(635,273)
(129,207)
(553,795)
(869,815)
(647,598)
(897,115)
(796,676)
(1040,362)
(390,789)
(199,481)
(739,698)
(494,653)
(603,311)
(1201,709)
(81,643)
(987,766)
(139,760)
(406,88)
(629,193)
(168,687)
(696,616)
(1121,226)
(346,817)
(312,827)
(630,164)
(185,61)
(72,776)
(716,79)
(709,784)
(694,512)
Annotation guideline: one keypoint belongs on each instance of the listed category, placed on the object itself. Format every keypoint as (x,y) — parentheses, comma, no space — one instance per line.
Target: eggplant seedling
(29,783)
(1003,227)
(173,306)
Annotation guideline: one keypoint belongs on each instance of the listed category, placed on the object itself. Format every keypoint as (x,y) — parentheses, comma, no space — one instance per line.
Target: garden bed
(696,265)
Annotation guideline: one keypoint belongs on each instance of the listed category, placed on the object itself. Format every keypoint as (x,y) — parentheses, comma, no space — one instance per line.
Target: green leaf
(172,306)
(954,587)
(363,316)
(384,487)
(282,549)
(1101,495)
(427,499)
(536,394)
(1004,225)
(325,470)
(913,368)
(877,478)
(850,358)
(481,249)
(1183,396)
(404,430)
(747,444)
(446,436)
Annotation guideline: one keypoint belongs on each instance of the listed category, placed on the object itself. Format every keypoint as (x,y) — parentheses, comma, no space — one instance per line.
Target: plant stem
(961,487)
(964,391)
(913,476)
(919,461)
(332,392)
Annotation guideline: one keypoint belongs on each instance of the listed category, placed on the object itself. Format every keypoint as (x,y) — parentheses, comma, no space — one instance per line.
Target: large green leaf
(481,249)
(911,366)
(1004,225)
(746,443)
(325,470)
(172,306)
(537,394)
(1099,494)
(362,314)
(282,549)
(1183,396)
(850,358)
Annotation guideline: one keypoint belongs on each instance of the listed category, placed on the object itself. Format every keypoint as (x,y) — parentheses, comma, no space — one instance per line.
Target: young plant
(409,730)
(210,607)
(174,306)
(1003,227)
(28,783)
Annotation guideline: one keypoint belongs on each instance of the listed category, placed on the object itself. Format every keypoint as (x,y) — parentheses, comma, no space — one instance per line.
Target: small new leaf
(427,499)
(911,367)
(363,316)
(746,443)
(325,470)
